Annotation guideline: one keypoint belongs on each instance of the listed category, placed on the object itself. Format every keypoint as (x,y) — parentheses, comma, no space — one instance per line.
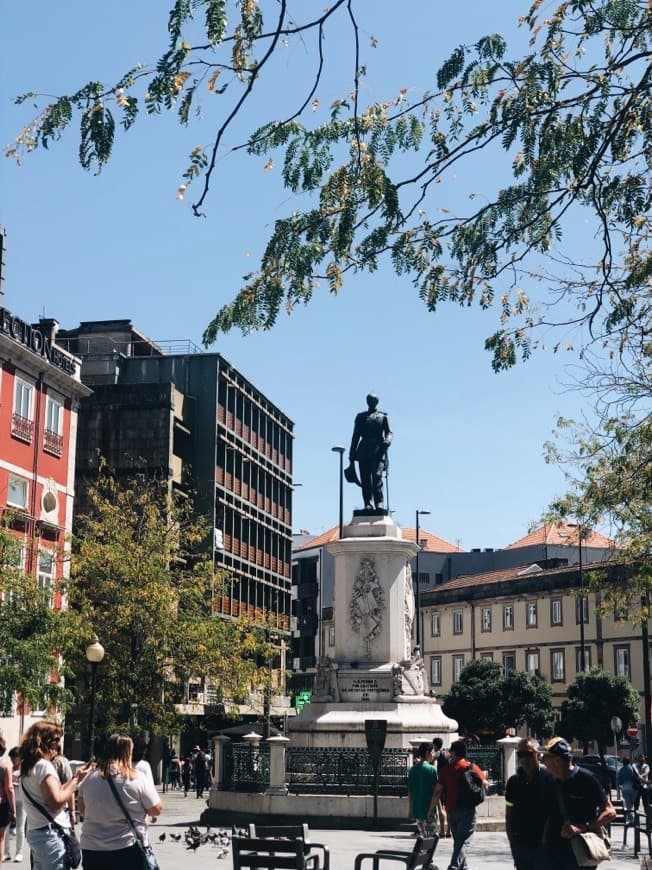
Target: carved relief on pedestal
(326,688)
(409,610)
(408,677)
(367,603)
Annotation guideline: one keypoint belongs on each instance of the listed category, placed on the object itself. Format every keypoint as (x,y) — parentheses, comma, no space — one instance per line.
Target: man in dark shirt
(580,805)
(529,794)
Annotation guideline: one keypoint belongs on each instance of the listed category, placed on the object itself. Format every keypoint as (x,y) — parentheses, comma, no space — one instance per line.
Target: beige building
(527,619)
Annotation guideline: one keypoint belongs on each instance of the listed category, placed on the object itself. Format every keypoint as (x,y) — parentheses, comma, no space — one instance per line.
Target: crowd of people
(192,772)
(549,801)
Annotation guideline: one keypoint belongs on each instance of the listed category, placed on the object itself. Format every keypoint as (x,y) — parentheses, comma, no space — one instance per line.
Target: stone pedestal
(375,673)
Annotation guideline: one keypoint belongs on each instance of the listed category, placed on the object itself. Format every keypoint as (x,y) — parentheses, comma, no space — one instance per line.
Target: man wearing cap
(529,794)
(580,805)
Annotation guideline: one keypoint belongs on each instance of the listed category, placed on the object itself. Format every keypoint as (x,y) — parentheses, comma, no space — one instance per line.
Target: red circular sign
(632,730)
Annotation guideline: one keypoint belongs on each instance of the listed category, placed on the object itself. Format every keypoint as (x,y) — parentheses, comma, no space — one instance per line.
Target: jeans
(462,825)
(20,831)
(47,848)
(629,799)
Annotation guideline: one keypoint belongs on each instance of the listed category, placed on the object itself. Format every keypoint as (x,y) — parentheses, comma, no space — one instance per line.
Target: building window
(435,671)
(578,659)
(532,662)
(435,624)
(622,662)
(52,434)
(331,635)
(458,622)
(555,611)
(531,614)
(621,614)
(485,619)
(46,571)
(424,578)
(22,425)
(489,656)
(17,490)
(582,610)
(508,617)
(557,666)
(509,662)
(458,664)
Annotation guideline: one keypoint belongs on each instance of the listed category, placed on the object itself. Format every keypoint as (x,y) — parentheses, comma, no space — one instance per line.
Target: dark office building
(192,416)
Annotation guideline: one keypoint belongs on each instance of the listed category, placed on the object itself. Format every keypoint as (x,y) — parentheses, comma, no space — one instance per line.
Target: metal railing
(246,768)
(345,771)
(489,758)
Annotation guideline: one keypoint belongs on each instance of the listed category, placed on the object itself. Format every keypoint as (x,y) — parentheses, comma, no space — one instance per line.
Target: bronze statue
(371,438)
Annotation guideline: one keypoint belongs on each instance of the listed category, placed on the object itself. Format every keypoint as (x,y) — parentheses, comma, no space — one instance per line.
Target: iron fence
(489,758)
(246,768)
(345,771)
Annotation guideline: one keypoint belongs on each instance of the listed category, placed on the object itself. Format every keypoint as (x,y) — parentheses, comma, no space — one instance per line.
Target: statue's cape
(350,474)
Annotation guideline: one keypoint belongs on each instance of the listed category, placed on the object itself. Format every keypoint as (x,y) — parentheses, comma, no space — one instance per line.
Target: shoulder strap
(40,808)
(130,821)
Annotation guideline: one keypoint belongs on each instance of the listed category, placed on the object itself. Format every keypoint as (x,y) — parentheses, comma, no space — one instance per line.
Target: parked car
(594,764)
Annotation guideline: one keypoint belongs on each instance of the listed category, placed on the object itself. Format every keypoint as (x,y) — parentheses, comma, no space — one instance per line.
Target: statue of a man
(371,438)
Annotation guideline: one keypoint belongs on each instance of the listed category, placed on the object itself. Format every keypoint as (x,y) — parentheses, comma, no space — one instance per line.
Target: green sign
(301,699)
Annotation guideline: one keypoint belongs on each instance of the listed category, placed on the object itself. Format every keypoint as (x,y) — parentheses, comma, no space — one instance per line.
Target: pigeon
(222,853)
(161,839)
(176,837)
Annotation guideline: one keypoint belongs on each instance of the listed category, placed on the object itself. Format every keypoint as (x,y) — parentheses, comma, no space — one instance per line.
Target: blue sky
(468,444)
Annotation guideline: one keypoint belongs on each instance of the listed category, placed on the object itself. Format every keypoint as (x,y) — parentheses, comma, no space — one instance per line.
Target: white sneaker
(18,858)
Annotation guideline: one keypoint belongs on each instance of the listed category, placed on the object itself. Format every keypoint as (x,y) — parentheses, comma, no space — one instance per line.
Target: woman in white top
(107,839)
(39,781)
(14,757)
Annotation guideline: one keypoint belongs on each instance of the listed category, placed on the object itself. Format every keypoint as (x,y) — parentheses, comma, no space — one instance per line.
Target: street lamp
(417,597)
(341,450)
(94,654)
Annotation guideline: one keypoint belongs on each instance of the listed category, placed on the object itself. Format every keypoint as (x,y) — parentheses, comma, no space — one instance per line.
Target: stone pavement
(489,850)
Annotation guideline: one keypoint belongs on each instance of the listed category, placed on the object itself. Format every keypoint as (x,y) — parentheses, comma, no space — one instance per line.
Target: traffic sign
(632,730)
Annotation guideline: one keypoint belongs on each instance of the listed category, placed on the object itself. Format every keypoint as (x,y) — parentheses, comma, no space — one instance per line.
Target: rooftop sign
(33,339)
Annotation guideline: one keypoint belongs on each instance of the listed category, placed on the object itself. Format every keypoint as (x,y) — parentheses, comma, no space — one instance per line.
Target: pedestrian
(440,760)
(642,769)
(174,771)
(7,797)
(529,794)
(201,772)
(581,805)
(108,837)
(186,775)
(461,816)
(422,779)
(45,797)
(627,782)
(19,830)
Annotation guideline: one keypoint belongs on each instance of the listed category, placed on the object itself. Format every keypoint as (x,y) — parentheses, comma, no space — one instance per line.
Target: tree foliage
(568,121)
(485,700)
(35,640)
(592,700)
(142,582)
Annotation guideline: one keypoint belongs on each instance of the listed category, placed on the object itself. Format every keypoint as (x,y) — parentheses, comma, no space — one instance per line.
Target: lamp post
(580,532)
(341,450)
(417,597)
(94,654)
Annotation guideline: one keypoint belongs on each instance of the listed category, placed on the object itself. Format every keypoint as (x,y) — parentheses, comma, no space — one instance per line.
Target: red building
(40,389)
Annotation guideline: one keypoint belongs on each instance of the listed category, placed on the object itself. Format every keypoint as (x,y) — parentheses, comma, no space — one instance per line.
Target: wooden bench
(293,832)
(420,858)
(256,852)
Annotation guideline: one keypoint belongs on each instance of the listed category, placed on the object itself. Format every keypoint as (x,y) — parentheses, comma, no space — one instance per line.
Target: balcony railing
(22,428)
(52,442)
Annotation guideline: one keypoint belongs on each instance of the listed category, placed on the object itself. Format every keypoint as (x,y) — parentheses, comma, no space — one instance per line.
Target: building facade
(532,618)
(40,393)
(194,419)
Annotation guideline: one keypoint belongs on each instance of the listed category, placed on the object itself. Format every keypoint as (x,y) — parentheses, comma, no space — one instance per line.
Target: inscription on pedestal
(365,688)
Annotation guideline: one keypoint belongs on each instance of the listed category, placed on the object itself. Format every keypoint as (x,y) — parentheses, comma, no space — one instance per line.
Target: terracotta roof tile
(429,541)
(524,571)
(563,534)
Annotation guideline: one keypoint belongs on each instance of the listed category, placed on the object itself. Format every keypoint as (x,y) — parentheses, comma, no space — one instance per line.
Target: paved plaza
(489,851)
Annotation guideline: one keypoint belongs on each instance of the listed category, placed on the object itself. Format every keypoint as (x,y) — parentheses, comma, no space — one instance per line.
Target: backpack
(470,789)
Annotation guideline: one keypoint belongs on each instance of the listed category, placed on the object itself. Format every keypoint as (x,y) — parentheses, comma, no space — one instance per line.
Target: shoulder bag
(589,849)
(73,849)
(148,857)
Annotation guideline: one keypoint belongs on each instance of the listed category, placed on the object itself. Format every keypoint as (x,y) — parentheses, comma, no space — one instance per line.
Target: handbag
(589,849)
(148,858)
(70,841)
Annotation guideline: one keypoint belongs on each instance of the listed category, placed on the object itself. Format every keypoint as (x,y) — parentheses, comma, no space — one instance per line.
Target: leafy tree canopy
(35,640)
(141,583)
(569,120)
(483,699)
(593,699)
